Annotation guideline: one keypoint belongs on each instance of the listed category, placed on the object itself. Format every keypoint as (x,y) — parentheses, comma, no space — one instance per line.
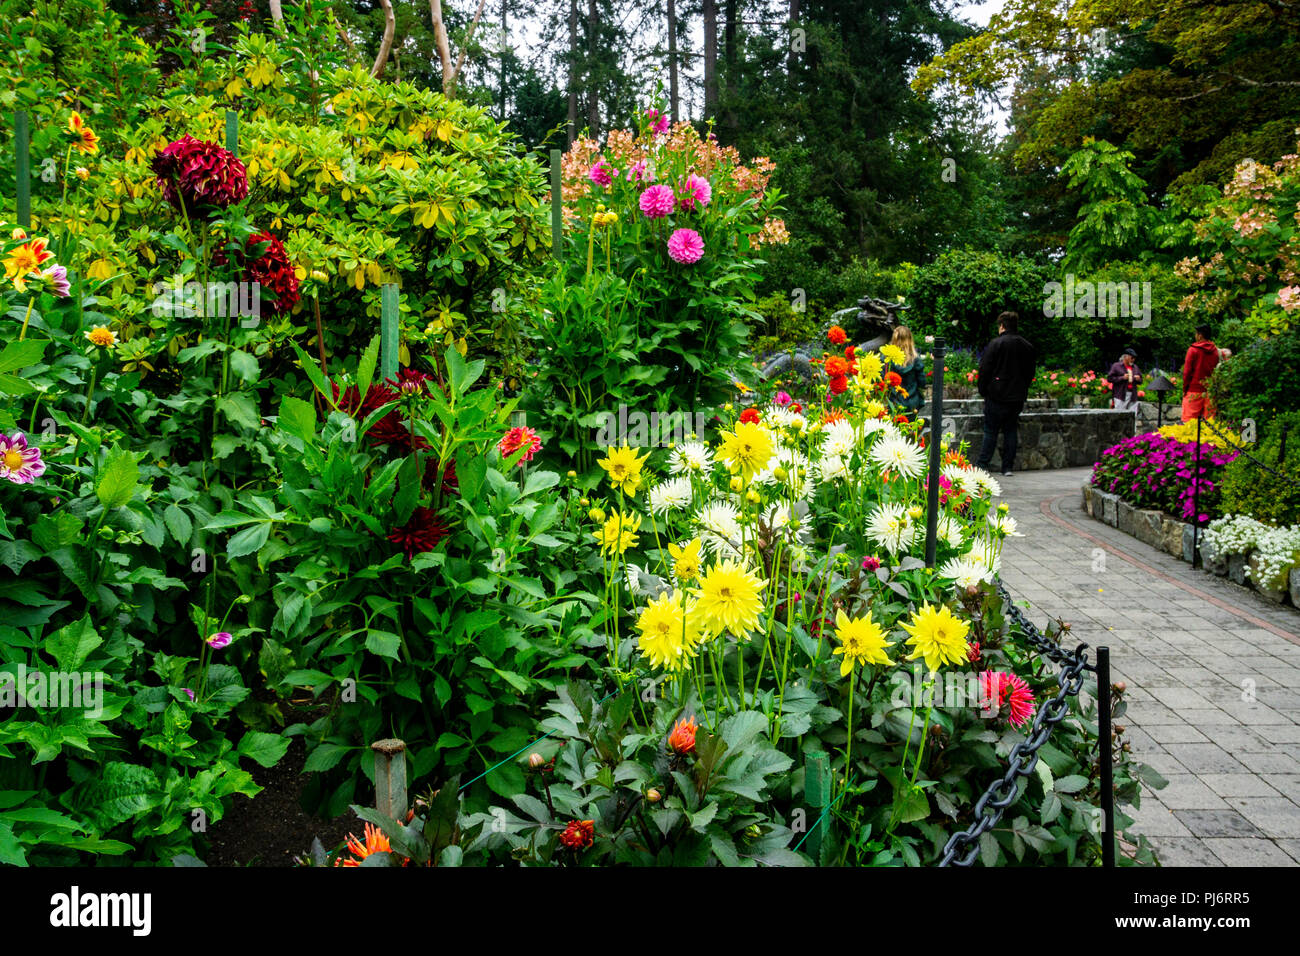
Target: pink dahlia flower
(220,639)
(782,398)
(658,121)
(199,174)
(518,438)
(57,277)
(602,173)
(998,688)
(657,202)
(696,191)
(685,246)
(19,463)
(637,171)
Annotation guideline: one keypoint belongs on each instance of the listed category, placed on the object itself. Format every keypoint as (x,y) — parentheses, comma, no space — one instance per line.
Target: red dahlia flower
(579,834)
(517,438)
(200,175)
(272,270)
(750,415)
(837,335)
(421,533)
(836,367)
(839,385)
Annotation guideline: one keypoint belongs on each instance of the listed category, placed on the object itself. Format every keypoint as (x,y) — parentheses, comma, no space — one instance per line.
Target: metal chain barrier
(1024,756)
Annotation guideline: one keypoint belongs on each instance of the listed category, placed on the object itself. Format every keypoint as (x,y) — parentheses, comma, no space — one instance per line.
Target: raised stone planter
(1276,596)
(1237,568)
(1211,559)
(1295,586)
(1048,438)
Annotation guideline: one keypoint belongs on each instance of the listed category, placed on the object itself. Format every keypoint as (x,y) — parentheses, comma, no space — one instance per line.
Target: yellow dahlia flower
(938,635)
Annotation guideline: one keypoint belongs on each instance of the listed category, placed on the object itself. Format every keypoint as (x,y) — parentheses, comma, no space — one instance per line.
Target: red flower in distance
(682,738)
(579,834)
(837,335)
(517,438)
(839,385)
(200,175)
(421,533)
(272,270)
(750,415)
(836,367)
(895,380)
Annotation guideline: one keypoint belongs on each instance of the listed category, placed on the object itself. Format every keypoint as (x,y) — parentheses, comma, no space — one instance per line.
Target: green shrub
(1249,489)
(1259,381)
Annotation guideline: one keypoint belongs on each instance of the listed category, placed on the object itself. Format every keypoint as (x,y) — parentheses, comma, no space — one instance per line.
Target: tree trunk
(672,61)
(505,32)
(440,38)
(386,44)
(710,58)
(593,96)
(732,59)
(573,71)
(794,20)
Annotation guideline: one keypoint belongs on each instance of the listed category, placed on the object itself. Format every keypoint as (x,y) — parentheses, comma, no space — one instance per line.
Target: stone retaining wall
(1066,438)
(1173,536)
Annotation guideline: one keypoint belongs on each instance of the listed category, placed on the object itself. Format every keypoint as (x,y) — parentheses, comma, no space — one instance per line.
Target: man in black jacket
(1006,371)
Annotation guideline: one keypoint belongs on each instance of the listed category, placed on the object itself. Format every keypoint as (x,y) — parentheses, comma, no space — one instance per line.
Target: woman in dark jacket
(1125,377)
(912,373)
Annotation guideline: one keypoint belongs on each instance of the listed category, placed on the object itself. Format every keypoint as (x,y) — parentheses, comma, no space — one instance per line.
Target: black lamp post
(1160,385)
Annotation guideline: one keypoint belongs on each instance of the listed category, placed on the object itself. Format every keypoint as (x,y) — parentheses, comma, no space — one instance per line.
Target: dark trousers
(1004,418)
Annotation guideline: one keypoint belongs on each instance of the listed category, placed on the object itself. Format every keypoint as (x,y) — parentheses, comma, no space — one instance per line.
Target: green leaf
(117,479)
(178,524)
(325,757)
(265,749)
(57,530)
(17,355)
(989,849)
(298,418)
(249,540)
(117,792)
(1071,784)
(366,366)
(240,408)
(408,490)
(383,643)
(71,645)
(313,372)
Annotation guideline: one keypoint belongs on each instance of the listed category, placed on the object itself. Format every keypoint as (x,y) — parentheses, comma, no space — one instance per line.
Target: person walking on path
(1006,371)
(1125,377)
(912,372)
(1202,358)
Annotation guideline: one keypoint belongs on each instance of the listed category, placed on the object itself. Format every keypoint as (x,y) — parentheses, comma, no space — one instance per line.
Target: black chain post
(1024,756)
(936,438)
(1107,757)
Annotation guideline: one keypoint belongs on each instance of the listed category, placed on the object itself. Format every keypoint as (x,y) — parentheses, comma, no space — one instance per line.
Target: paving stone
(1205,717)
(1238,785)
(1243,851)
(1186,792)
(1155,819)
(1164,734)
(1185,851)
(1204,758)
(1279,733)
(1291,847)
(1179,698)
(1217,823)
(1269,761)
(1287,784)
(1274,816)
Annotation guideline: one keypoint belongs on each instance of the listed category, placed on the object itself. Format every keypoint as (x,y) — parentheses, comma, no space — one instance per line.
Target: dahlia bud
(753,497)
(780,474)
(536,760)
(727,407)
(584,502)
(653,796)
(572,473)
(737,484)
(595,514)
(1119,687)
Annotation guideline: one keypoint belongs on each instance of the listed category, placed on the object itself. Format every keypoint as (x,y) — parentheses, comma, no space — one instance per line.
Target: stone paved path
(1213,674)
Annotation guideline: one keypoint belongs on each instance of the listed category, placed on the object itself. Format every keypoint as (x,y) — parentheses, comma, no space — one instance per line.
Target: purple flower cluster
(1153,471)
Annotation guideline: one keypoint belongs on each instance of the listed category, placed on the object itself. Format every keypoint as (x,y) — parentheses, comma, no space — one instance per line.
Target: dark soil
(272,828)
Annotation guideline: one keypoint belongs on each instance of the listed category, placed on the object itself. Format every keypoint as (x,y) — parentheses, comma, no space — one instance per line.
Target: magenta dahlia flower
(637,171)
(220,639)
(782,398)
(657,202)
(199,174)
(602,173)
(685,246)
(696,191)
(19,463)
(658,121)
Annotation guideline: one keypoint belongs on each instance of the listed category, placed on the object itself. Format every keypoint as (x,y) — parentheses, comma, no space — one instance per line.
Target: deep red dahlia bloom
(421,533)
(579,834)
(750,415)
(839,384)
(200,175)
(272,270)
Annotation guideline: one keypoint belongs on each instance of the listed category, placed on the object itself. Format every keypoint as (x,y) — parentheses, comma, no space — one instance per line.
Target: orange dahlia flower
(682,738)
(837,335)
(376,842)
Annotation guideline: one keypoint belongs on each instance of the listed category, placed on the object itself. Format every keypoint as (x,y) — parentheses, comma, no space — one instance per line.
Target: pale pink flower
(1288,298)
(685,246)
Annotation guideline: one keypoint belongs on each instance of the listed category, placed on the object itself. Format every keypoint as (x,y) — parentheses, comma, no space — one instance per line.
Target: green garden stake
(232,132)
(388,336)
(390,778)
(557,214)
(23,168)
(817,794)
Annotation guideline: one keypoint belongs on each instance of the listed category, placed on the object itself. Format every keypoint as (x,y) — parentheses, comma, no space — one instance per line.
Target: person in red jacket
(1202,358)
